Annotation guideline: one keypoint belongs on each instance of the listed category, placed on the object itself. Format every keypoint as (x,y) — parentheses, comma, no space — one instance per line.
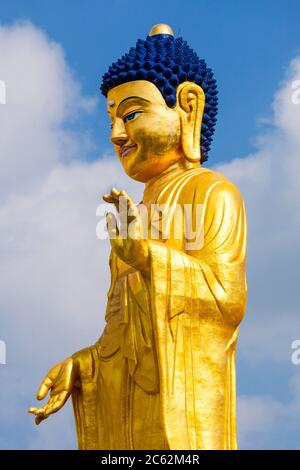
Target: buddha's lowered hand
(59,381)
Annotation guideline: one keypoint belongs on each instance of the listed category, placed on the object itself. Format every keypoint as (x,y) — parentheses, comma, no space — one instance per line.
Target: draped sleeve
(198,300)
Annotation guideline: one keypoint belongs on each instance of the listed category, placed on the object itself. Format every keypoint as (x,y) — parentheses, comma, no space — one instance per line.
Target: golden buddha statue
(162,374)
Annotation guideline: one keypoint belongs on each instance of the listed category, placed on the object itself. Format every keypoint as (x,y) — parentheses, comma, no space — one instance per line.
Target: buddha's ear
(190,105)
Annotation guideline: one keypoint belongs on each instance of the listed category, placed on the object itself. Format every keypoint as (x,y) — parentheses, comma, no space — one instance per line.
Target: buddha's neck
(155,184)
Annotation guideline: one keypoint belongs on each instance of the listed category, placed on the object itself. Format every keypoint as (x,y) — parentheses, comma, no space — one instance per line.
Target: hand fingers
(114,192)
(44,388)
(113,197)
(39,414)
(57,404)
(112,200)
(34,409)
(126,208)
(39,419)
(113,232)
(53,405)
(132,207)
(111,225)
(109,198)
(41,410)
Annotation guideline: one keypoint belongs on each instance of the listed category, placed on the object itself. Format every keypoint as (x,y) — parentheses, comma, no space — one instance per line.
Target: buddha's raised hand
(59,381)
(131,247)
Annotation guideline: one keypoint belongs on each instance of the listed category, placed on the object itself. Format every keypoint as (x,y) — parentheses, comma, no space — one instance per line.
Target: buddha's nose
(118,134)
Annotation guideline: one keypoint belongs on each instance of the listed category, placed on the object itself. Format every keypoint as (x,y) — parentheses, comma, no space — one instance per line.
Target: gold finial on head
(161,29)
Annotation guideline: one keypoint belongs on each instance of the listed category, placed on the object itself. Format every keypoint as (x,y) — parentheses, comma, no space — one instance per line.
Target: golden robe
(162,375)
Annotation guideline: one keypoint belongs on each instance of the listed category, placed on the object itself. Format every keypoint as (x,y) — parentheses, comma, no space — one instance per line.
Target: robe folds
(162,375)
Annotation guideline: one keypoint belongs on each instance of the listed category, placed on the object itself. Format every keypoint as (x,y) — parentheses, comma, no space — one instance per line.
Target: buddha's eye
(131,116)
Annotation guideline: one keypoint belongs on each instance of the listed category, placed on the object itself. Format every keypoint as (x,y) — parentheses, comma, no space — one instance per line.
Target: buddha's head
(162,103)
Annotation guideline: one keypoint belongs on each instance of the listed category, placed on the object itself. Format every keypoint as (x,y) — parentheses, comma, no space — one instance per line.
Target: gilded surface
(162,374)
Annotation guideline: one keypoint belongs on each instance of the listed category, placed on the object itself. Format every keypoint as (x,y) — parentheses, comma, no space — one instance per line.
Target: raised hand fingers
(111,224)
(113,197)
(132,207)
(128,214)
(114,192)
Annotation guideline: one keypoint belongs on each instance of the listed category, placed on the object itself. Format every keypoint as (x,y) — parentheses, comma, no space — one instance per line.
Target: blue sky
(247,44)
(56,161)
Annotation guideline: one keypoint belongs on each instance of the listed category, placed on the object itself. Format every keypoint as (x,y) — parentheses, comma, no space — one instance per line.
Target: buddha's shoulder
(202,181)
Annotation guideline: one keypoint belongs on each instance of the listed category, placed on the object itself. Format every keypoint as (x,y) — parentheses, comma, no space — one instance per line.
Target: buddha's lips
(126,150)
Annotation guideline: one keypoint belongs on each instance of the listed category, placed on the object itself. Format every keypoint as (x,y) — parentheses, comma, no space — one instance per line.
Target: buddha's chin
(134,165)
(137,171)
(142,168)
(136,174)
(140,173)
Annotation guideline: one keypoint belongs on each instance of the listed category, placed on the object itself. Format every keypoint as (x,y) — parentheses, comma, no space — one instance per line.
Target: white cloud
(269,181)
(265,422)
(41,95)
(54,273)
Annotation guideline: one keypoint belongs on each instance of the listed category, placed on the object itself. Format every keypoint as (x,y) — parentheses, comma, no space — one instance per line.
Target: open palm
(60,381)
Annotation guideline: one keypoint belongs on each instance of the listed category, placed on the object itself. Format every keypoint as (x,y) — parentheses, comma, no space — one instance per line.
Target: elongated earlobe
(190,102)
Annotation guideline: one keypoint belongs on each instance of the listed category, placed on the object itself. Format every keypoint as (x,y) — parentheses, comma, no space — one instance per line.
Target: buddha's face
(145,131)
